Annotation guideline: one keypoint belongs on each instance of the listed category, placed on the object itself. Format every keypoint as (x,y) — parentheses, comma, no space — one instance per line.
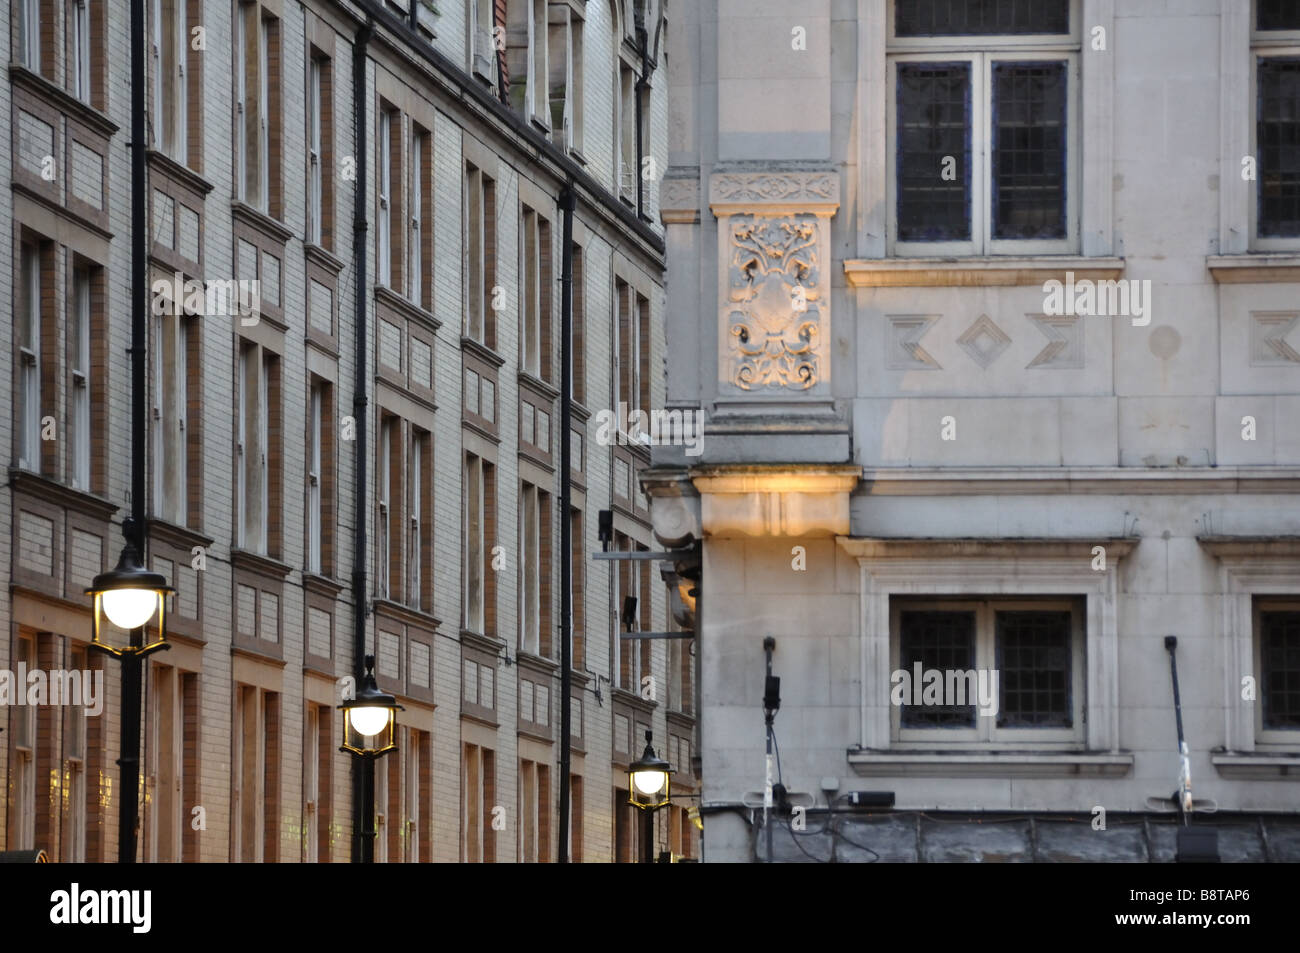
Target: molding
(64,213)
(165,165)
(679,197)
(74,108)
(537,664)
(42,488)
(1270,547)
(260,222)
(758,500)
(407,309)
(261,565)
(1257,767)
(484,643)
(1079,548)
(180,536)
(774,191)
(397,612)
(981,272)
(483,352)
(1103,481)
(323,257)
(990,764)
(1269,268)
(321,585)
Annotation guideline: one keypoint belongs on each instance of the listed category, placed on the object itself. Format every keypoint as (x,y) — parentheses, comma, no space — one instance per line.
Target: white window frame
(264,99)
(383,494)
(415,250)
(414,594)
(73,836)
(530,605)
(1267,44)
(482,49)
(1272,737)
(29,356)
(314,477)
(625,133)
(311,784)
(530,291)
(475,595)
(241,100)
(30,26)
(917,568)
(982,242)
(383,251)
(22,723)
(80,28)
(411,796)
(80,443)
(315,115)
(263,447)
(986,730)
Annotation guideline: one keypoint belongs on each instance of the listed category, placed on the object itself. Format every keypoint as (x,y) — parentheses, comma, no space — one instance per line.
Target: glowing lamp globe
(369,717)
(129,596)
(649,778)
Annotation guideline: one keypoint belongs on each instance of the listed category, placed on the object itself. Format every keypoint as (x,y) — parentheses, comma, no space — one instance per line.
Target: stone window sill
(1257,766)
(990,764)
(1261,268)
(976,272)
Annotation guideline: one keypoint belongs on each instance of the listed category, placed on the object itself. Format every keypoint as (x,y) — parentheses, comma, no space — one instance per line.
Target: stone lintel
(766,500)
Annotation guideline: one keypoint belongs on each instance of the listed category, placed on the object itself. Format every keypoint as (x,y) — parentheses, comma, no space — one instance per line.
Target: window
(171,766)
(255,766)
(478,790)
(35,291)
(526,59)
(320,151)
(1276,133)
(631,347)
(257,454)
(383,231)
(681,671)
(575,818)
(536,293)
(625,830)
(79,394)
(72,836)
(1277,659)
(79,28)
(578,341)
(170,97)
(534,570)
(419,248)
(30,28)
(626,657)
(564,38)
(480,257)
(320,478)
(985,127)
(386,478)
(172,441)
(257,107)
(317,774)
(419,546)
(625,135)
(578,581)
(479,538)
(23,741)
(482,49)
(534,812)
(1033,647)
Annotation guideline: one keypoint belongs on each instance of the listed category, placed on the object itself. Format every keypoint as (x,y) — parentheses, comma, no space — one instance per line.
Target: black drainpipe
(567,204)
(363,773)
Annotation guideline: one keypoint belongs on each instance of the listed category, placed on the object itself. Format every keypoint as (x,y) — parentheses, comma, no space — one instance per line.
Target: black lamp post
(130,595)
(369,730)
(648,778)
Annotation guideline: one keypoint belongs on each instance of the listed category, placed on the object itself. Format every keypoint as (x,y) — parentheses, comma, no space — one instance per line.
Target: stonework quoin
(774,314)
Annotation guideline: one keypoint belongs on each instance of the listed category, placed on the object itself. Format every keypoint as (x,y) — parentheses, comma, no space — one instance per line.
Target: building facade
(992,312)
(475,114)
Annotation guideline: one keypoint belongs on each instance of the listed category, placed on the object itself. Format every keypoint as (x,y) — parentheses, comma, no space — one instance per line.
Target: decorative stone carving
(679,197)
(904,351)
(749,187)
(984,341)
(1064,347)
(1268,334)
(774,302)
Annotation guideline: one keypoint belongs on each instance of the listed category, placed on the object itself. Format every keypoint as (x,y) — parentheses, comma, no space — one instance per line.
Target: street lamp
(369,718)
(649,778)
(129,596)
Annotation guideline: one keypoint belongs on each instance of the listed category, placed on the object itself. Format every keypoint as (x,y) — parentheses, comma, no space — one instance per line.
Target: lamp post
(369,729)
(649,778)
(130,595)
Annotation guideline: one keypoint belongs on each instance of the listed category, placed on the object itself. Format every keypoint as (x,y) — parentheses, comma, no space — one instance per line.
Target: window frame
(1269,737)
(79,29)
(1265,44)
(80,443)
(986,732)
(316,66)
(29,345)
(980,137)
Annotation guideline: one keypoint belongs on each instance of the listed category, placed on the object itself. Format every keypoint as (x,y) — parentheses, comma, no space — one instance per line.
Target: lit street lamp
(649,778)
(369,729)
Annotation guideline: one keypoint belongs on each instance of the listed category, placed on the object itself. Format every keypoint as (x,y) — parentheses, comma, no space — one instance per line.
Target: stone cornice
(766,500)
(775,191)
(976,272)
(968,548)
(1096,481)
(1252,269)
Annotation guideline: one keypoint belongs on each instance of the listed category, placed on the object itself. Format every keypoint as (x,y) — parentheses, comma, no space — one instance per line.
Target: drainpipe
(363,769)
(567,205)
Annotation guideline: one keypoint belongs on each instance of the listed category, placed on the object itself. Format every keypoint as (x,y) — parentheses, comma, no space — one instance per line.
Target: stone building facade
(477,113)
(992,311)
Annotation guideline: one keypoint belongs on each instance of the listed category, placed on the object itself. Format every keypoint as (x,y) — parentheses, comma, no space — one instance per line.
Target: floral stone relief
(773,307)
